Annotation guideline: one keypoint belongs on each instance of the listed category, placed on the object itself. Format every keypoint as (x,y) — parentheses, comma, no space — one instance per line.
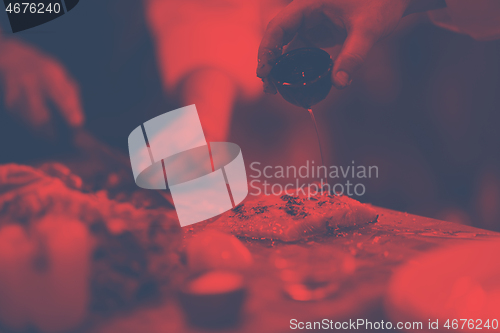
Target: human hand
(355,24)
(31,80)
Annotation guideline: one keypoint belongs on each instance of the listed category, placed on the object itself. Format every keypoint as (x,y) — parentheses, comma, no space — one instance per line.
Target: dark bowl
(303,76)
(213,310)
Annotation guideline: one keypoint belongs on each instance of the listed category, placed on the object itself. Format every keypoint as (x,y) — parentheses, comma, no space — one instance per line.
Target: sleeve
(479,19)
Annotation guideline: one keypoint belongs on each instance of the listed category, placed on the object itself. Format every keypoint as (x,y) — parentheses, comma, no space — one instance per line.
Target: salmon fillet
(291,218)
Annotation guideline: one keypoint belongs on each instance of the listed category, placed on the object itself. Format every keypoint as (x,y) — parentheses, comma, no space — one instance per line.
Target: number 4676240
(33,8)
(471,324)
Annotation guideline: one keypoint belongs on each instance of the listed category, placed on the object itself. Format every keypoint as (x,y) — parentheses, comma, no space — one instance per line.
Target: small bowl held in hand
(303,76)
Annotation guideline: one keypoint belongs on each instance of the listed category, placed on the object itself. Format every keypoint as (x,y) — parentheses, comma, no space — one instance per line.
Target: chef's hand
(356,24)
(31,79)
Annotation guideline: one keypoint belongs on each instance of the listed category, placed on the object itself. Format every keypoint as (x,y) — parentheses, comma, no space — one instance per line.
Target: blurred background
(424,108)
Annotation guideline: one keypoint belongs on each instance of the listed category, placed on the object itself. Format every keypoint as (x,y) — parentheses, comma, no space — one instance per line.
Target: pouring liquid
(317,135)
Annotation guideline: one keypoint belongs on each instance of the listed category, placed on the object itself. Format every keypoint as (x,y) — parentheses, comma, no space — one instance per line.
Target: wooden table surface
(377,250)
(371,253)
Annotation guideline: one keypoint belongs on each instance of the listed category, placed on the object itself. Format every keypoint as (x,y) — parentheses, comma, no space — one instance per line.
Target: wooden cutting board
(359,262)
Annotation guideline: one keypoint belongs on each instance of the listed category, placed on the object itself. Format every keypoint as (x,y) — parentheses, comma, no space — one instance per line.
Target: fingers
(65,94)
(67,99)
(35,110)
(24,98)
(279,32)
(12,92)
(353,54)
(28,96)
(32,79)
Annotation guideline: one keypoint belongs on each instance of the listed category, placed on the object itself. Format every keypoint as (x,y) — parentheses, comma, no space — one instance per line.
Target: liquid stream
(317,135)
